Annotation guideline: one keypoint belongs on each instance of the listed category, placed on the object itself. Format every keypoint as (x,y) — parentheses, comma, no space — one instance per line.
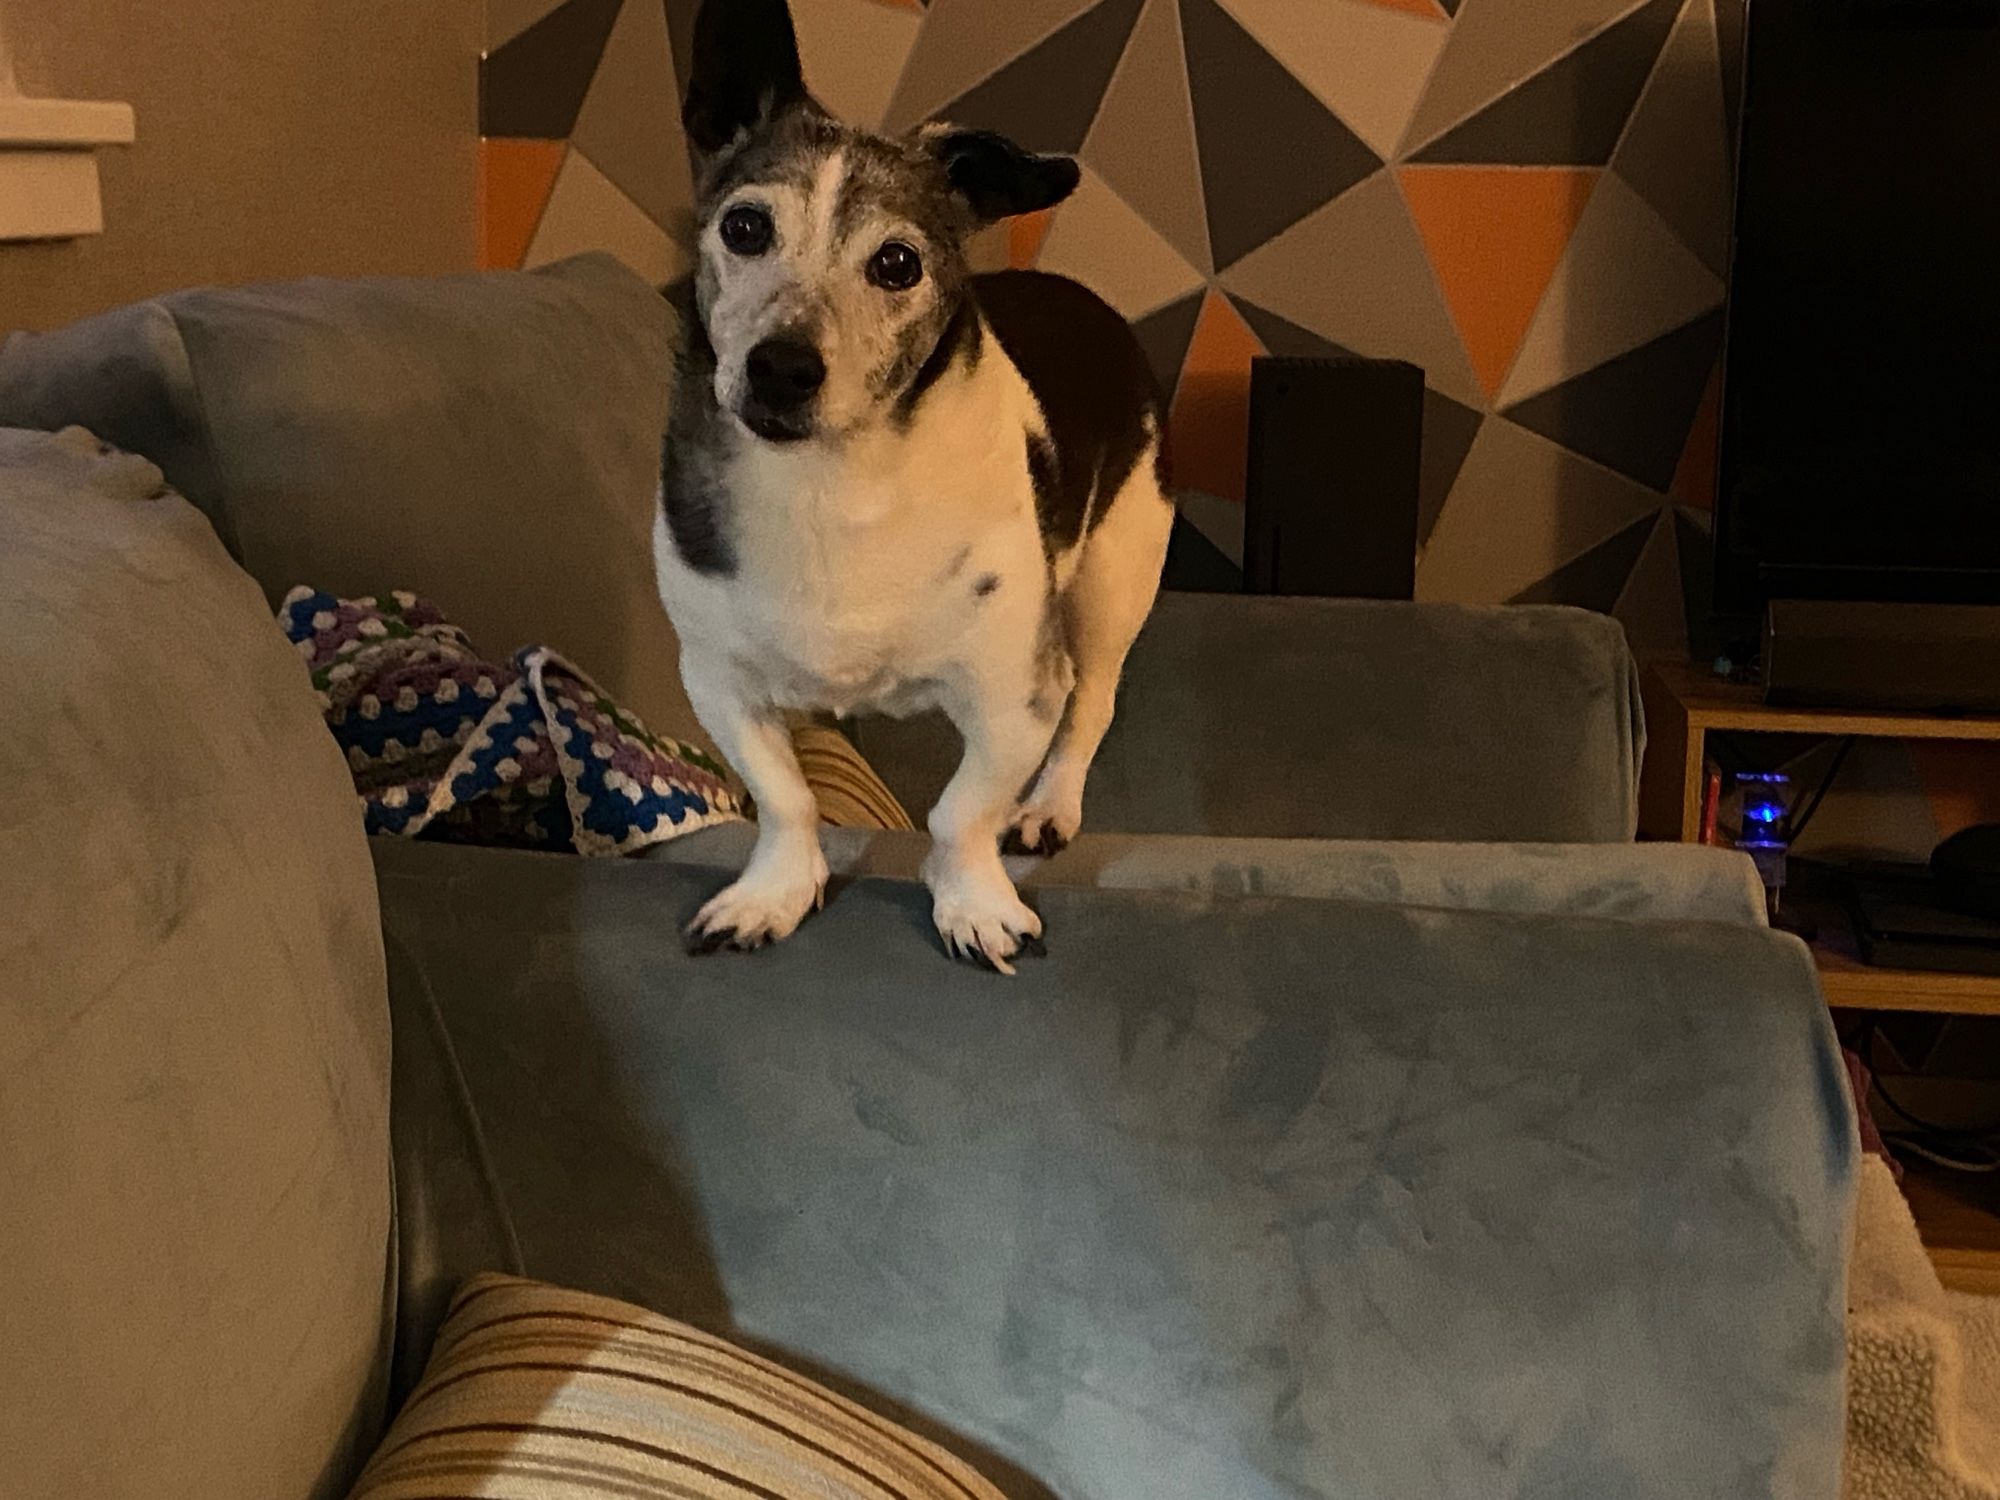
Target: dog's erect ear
(998,178)
(745,70)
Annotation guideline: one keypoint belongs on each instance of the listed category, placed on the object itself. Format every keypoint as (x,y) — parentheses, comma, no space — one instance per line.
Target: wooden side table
(1685,704)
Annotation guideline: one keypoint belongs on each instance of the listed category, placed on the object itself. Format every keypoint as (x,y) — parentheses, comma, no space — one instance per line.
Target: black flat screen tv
(1860,445)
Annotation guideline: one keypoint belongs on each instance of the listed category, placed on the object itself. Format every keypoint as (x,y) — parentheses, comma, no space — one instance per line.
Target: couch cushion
(194,1052)
(544,1394)
(491,441)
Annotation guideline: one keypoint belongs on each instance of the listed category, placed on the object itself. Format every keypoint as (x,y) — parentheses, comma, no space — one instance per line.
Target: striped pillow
(849,793)
(535,1393)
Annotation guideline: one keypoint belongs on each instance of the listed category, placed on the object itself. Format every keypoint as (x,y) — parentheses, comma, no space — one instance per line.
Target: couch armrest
(1319,718)
(195,1203)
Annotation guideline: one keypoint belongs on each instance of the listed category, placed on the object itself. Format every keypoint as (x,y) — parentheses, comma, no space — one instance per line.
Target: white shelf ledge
(48,164)
(60,123)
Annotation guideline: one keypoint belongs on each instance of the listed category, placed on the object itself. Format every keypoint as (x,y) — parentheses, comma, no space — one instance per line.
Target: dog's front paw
(762,907)
(983,921)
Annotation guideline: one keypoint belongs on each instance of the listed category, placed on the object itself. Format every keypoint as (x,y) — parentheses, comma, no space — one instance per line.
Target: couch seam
(468,1111)
(191,406)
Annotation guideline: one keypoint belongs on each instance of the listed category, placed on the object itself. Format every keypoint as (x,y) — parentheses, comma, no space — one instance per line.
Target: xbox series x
(1336,446)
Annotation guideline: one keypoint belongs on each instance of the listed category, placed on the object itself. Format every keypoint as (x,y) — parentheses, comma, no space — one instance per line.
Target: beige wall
(277,138)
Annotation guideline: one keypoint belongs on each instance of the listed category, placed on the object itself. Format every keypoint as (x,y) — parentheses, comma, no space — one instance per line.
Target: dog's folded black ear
(998,178)
(745,70)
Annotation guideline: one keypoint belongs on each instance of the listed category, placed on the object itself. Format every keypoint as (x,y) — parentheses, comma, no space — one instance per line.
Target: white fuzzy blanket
(1923,1365)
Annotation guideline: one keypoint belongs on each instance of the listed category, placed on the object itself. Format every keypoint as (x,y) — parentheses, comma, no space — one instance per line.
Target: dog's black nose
(784,374)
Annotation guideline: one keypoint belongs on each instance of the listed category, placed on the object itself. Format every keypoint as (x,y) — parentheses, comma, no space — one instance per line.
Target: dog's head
(832,260)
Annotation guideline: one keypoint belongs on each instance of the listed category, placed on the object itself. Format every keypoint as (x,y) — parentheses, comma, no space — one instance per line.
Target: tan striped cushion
(535,1393)
(849,793)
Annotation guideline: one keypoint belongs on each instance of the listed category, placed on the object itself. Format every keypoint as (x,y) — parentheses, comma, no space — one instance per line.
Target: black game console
(1966,867)
(1905,917)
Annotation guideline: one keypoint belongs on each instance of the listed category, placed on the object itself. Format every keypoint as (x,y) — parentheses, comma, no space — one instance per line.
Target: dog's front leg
(786,876)
(978,913)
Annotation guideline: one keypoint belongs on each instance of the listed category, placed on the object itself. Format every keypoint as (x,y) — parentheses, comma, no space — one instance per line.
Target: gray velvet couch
(1382,1123)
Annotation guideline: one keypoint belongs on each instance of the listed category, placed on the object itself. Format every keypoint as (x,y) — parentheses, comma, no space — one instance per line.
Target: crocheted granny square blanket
(445,743)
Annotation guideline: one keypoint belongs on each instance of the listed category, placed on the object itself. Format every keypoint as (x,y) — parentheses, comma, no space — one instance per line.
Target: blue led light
(1763,812)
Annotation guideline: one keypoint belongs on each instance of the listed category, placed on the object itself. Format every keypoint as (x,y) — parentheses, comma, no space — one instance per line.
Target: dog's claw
(1032,947)
(727,939)
(978,958)
(1048,842)
(702,944)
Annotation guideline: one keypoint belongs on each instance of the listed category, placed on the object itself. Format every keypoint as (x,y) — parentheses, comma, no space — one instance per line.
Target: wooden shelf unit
(1685,704)
(1850,984)
(1958,1215)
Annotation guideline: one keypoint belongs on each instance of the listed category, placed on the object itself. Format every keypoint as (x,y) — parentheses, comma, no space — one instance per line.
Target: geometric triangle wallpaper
(1401,178)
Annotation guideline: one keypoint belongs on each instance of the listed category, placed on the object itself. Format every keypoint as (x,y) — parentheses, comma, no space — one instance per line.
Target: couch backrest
(195,1220)
(490,440)
(1258,717)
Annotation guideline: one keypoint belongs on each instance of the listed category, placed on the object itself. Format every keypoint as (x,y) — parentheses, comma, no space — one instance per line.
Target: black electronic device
(1966,869)
(1902,920)
(1910,658)
(1336,447)
(1860,446)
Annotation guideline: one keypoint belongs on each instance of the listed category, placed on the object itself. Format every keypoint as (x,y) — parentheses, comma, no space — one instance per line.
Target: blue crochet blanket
(448,744)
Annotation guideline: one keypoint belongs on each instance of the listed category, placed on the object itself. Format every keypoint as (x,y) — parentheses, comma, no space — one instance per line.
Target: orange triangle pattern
(1210,420)
(1025,235)
(1495,236)
(1430,10)
(515,177)
(1694,475)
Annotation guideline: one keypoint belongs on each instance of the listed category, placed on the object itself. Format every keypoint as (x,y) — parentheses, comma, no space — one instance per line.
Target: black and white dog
(891,485)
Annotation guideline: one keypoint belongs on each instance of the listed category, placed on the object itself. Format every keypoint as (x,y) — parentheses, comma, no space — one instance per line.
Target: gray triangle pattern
(1596,579)
(1047,99)
(1572,112)
(1245,102)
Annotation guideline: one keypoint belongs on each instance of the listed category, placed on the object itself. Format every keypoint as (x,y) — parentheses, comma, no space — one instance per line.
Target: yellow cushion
(535,1393)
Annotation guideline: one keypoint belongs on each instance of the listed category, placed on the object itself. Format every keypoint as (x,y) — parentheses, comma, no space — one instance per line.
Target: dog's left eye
(896,267)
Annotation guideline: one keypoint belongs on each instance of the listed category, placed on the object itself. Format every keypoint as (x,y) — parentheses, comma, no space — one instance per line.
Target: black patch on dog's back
(1093,383)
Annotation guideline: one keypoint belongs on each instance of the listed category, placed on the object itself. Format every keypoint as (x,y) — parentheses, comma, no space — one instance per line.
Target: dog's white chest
(858,581)
(827,627)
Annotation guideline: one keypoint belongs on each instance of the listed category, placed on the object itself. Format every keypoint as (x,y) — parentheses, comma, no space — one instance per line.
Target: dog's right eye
(746,230)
